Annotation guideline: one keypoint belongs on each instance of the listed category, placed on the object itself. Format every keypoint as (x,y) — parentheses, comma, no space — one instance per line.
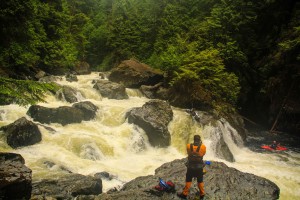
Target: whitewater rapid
(108,143)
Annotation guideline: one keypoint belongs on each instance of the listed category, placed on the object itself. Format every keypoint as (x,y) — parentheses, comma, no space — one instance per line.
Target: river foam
(108,143)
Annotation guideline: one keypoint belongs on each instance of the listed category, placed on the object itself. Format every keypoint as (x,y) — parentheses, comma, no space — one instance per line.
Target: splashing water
(108,143)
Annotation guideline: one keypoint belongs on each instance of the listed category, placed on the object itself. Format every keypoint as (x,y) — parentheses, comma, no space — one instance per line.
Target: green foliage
(24,92)
(204,41)
(207,68)
(280,68)
(291,42)
(21,33)
(43,33)
(59,48)
(132,28)
(170,59)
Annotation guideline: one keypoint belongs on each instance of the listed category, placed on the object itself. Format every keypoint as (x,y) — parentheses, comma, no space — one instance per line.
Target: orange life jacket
(195,155)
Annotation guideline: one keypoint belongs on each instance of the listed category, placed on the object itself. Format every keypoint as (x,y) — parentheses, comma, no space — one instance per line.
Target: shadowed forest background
(232,55)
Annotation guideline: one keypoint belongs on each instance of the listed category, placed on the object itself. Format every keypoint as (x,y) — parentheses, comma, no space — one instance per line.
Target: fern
(24,92)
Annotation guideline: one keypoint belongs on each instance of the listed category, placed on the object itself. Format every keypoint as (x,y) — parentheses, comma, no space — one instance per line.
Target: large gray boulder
(157,91)
(153,117)
(15,177)
(22,132)
(64,114)
(87,108)
(69,94)
(133,74)
(220,182)
(111,90)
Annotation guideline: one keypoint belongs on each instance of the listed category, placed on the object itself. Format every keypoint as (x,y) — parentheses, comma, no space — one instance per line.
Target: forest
(240,55)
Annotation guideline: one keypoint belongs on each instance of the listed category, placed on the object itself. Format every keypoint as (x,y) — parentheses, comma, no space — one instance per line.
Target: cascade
(109,144)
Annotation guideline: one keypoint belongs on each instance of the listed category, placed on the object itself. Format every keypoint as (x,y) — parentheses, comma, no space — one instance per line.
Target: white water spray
(108,143)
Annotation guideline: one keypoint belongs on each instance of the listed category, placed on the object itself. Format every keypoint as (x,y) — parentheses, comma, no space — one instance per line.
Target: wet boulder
(153,117)
(67,186)
(133,74)
(111,90)
(157,91)
(22,132)
(88,109)
(69,94)
(62,115)
(53,166)
(71,78)
(102,75)
(82,68)
(105,175)
(15,177)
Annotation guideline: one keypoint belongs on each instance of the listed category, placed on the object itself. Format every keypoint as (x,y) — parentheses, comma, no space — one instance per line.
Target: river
(108,143)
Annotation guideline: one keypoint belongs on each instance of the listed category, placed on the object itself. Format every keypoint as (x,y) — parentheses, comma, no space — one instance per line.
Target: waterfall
(222,140)
(108,143)
(283,168)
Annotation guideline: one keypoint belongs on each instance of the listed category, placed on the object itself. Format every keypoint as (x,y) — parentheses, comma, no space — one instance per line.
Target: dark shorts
(194,172)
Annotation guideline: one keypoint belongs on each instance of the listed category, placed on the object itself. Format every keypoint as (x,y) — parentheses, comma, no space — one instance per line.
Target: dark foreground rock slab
(15,177)
(67,187)
(221,182)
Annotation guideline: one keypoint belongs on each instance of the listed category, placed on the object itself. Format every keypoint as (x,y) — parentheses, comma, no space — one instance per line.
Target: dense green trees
(20,34)
(42,34)
(229,48)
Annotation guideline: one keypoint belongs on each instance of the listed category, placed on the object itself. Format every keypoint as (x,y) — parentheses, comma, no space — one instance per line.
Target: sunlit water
(108,143)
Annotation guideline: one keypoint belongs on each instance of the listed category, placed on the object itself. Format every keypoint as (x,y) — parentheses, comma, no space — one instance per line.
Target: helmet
(197,138)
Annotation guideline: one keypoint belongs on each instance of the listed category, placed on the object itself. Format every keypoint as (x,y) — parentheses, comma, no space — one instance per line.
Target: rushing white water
(108,143)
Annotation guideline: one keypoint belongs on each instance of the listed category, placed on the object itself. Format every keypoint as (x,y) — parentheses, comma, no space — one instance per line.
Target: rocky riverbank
(221,182)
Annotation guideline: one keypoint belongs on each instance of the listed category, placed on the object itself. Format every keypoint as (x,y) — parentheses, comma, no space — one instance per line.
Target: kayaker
(274,145)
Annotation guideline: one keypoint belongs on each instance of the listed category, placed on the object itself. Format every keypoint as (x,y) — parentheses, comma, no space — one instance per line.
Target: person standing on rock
(195,165)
